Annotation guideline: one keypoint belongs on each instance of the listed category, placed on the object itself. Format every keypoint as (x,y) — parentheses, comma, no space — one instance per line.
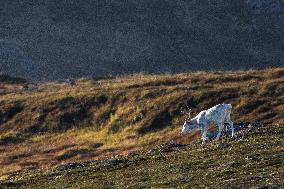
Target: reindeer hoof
(204,140)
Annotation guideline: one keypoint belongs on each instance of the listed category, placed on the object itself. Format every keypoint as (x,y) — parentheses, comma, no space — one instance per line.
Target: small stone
(151,151)
(70,166)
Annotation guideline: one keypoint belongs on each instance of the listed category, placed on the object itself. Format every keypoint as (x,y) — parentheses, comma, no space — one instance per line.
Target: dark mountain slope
(78,38)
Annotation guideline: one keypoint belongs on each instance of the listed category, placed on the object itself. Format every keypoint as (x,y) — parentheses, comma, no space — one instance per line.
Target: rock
(70,166)
(152,151)
(112,162)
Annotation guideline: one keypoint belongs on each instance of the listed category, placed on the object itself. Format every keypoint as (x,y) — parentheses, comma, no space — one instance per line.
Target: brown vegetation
(52,123)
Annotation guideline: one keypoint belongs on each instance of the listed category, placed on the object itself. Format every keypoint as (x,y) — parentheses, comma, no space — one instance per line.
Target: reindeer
(218,115)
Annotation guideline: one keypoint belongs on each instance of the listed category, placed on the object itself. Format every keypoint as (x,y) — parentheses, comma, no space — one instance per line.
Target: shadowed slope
(51,39)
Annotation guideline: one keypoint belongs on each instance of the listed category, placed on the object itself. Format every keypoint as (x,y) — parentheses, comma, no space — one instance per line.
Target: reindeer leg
(230,123)
(220,128)
(232,128)
(218,135)
(201,132)
(226,127)
(204,134)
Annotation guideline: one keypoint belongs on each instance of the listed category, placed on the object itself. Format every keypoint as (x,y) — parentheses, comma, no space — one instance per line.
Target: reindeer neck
(194,120)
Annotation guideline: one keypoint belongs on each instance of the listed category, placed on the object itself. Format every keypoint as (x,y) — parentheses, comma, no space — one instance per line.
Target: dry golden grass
(52,123)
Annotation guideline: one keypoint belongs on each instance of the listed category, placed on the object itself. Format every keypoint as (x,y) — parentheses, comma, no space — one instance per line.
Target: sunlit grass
(125,113)
(253,160)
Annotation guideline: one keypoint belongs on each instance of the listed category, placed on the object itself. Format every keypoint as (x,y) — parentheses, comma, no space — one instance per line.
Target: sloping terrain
(255,159)
(47,124)
(50,39)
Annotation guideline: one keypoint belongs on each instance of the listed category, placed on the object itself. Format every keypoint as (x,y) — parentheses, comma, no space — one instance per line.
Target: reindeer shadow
(213,132)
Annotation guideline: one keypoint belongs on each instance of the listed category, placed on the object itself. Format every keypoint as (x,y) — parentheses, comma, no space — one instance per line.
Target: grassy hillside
(43,125)
(253,160)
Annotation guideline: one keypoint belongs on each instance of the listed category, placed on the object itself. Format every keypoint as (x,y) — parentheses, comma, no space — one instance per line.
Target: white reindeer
(217,115)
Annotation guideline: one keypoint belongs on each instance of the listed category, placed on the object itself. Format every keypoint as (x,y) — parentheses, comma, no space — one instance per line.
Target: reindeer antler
(184,112)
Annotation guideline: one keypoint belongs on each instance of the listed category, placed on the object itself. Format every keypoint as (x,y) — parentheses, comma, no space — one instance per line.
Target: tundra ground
(43,125)
(255,159)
